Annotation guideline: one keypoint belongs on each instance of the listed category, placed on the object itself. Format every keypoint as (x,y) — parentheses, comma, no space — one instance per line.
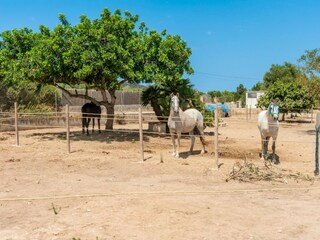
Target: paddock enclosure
(103,190)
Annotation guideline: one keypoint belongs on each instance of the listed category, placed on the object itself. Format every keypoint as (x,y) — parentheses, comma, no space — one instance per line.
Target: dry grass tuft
(249,172)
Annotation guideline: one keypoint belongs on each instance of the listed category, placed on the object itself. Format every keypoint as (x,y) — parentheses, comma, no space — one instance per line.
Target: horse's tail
(199,132)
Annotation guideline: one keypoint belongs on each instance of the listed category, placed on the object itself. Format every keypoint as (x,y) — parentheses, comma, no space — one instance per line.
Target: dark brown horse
(90,110)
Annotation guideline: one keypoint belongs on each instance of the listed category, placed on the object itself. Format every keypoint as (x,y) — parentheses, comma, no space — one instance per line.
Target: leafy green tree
(13,87)
(227,96)
(311,67)
(311,62)
(166,60)
(102,54)
(158,95)
(258,87)
(224,96)
(215,94)
(285,73)
(292,96)
(240,94)
(188,96)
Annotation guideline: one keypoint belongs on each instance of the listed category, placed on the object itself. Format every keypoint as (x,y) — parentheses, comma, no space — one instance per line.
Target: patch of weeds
(120,119)
(2,138)
(62,137)
(55,209)
(249,172)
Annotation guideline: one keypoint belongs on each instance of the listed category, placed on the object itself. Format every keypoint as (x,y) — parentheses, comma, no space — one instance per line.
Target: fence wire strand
(158,193)
(130,118)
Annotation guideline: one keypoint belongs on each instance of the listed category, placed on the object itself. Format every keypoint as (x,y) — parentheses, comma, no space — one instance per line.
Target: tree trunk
(109,104)
(110,116)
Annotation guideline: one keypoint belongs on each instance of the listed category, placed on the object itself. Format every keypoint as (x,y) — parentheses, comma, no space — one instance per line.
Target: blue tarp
(224,108)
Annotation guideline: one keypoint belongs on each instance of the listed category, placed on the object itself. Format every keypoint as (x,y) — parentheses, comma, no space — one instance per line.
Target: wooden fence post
(67,127)
(216,126)
(16,122)
(316,171)
(247,113)
(141,134)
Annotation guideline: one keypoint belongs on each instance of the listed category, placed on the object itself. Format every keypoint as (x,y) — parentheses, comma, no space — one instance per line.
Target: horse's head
(174,104)
(274,110)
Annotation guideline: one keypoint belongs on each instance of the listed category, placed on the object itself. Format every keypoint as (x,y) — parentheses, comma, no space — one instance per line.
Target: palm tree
(158,95)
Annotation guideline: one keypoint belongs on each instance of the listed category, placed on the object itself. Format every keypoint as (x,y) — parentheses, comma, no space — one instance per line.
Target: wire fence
(58,119)
(145,123)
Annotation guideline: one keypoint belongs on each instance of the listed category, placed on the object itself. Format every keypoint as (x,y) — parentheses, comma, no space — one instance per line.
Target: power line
(226,76)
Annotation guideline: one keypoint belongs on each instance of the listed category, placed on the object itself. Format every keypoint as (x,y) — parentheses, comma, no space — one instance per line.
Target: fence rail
(22,121)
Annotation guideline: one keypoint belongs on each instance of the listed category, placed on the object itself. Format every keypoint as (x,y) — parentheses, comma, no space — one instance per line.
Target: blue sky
(232,41)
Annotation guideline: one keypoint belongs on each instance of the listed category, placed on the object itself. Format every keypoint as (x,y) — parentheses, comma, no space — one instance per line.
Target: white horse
(184,122)
(268,125)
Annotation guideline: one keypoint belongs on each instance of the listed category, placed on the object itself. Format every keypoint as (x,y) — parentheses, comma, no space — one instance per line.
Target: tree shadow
(186,154)
(297,120)
(311,132)
(119,135)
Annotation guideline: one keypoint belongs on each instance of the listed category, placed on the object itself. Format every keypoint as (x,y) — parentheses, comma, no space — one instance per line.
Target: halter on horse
(184,122)
(90,110)
(268,125)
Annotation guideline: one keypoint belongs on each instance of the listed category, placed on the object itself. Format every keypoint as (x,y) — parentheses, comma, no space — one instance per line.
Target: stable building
(252,98)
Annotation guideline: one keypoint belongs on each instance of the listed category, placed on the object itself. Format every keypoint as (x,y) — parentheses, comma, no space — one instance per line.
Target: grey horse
(184,122)
(268,125)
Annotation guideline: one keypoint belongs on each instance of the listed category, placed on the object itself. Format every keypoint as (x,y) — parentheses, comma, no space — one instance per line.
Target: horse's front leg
(178,145)
(83,124)
(267,146)
(93,125)
(264,147)
(99,125)
(265,156)
(173,144)
(274,160)
(87,125)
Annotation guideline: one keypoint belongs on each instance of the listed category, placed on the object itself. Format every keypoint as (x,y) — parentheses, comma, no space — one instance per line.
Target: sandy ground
(102,189)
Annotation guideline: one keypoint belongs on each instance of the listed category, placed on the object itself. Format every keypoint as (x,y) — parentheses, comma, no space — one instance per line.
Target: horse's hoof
(275,161)
(202,151)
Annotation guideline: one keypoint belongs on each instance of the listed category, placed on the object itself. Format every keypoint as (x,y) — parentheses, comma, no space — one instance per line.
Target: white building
(252,98)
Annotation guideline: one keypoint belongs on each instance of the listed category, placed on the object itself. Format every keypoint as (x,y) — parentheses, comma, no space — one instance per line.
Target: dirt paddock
(102,189)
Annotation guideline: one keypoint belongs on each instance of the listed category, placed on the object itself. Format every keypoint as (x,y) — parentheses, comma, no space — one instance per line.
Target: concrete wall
(122,98)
